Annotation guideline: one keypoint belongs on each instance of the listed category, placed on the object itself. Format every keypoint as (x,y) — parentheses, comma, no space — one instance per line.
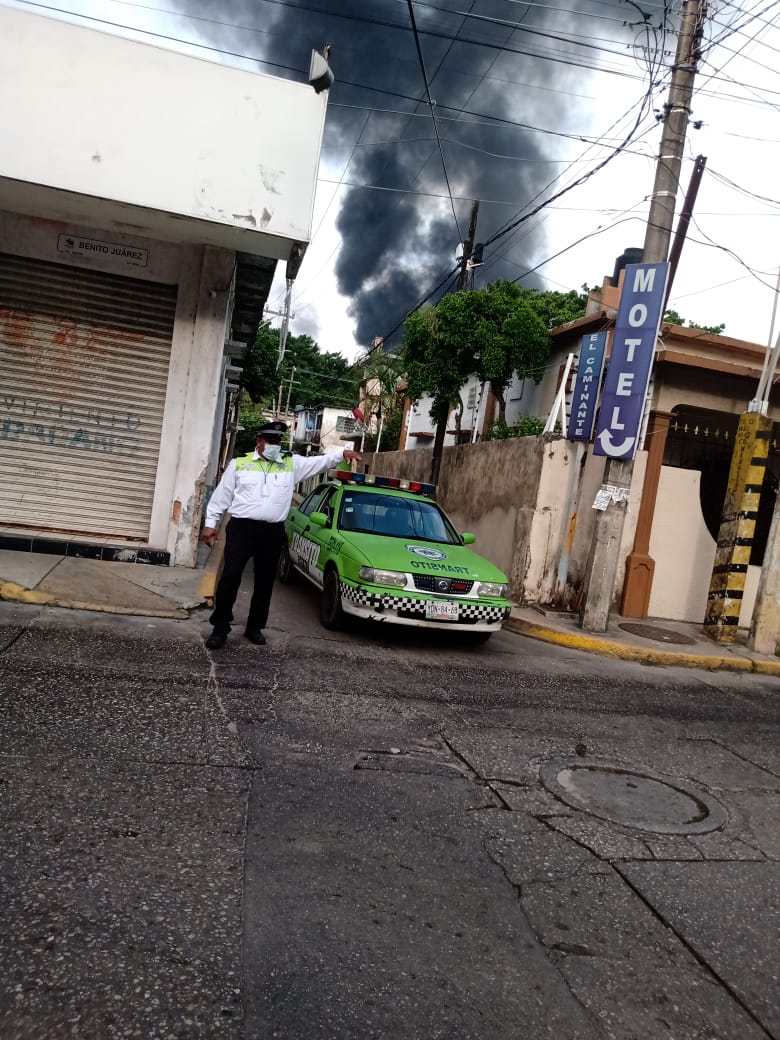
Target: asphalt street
(378,833)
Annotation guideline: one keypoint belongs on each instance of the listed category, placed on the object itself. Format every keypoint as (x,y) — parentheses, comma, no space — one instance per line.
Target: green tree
(317,379)
(260,380)
(391,431)
(525,426)
(555,308)
(253,418)
(673,318)
(492,332)
(433,364)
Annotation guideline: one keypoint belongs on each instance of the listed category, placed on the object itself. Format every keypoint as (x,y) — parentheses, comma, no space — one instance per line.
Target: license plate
(435,611)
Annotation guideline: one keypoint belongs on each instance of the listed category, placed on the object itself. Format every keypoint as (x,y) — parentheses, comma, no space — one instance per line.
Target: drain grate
(660,635)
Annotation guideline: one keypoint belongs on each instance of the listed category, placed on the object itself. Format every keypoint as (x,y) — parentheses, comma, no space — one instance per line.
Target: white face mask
(272,452)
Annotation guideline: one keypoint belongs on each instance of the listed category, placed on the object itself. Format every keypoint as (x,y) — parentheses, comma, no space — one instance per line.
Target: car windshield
(396,517)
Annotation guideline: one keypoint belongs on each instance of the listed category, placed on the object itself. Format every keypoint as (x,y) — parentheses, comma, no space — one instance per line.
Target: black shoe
(216,640)
(254,635)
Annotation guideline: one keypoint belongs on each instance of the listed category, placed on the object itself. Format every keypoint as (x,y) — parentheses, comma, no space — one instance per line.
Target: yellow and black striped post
(737,526)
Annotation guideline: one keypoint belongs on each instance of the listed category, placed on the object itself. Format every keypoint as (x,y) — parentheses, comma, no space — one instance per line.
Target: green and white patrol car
(381,548)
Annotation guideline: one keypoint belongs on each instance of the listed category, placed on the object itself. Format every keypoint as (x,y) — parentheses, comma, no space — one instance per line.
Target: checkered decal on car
(467,611)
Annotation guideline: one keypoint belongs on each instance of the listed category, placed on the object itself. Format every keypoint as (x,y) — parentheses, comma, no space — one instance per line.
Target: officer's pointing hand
(353,456)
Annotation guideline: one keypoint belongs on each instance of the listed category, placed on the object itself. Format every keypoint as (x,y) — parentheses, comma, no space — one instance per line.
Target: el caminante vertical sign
(586,386)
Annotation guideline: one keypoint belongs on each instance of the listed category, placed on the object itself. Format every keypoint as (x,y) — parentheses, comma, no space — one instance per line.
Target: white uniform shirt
(265,492)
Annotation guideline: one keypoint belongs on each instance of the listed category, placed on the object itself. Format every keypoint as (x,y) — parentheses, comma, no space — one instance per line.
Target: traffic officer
(257,491)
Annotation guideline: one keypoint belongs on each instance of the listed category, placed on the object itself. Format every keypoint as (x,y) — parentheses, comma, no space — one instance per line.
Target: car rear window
(395,517)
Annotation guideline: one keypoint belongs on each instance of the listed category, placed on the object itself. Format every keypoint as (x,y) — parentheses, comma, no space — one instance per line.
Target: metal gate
(84,359)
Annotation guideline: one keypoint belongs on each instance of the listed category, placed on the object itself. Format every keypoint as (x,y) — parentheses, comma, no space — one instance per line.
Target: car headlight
(493,589)
(380,577)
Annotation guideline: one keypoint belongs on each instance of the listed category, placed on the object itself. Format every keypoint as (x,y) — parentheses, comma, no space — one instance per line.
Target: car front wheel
(331,610)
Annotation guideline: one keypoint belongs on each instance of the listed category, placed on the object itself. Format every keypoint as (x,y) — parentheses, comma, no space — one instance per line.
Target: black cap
(276,428)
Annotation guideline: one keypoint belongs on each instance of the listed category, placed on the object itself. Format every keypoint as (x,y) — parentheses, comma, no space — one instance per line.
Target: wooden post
(640,566)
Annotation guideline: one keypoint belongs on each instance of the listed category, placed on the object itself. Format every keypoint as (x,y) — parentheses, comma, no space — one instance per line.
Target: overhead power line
(263,61)
(433,114)
(563,191)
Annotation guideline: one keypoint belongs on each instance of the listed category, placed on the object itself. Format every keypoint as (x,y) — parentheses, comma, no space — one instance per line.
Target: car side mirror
(468,539)
(319,519)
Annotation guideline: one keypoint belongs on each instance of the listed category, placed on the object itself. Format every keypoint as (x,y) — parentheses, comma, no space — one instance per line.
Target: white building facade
(523,397)
(146,198)
(317,431)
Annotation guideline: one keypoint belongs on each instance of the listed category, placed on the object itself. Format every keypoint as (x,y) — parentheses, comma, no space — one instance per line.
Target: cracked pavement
(346,835)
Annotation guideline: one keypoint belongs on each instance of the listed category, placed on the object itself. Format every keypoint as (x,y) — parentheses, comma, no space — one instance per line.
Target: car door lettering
(305,551)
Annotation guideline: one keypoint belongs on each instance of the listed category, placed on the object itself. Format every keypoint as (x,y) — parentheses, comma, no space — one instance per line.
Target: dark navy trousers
(245,540)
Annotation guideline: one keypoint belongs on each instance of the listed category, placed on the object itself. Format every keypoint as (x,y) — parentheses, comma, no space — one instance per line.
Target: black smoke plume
(485,79)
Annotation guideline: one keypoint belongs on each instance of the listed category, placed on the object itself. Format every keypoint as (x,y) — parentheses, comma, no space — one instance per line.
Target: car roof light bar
(395,483)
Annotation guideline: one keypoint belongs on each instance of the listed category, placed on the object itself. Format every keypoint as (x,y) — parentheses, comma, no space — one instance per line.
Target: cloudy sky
(545,112)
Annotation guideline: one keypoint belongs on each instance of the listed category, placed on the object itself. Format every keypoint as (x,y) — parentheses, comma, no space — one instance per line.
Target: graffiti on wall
(73,361)
(69,427)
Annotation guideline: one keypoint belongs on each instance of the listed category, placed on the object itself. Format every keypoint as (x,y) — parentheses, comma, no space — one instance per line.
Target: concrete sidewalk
(649,641)
(114,588)
(175,592)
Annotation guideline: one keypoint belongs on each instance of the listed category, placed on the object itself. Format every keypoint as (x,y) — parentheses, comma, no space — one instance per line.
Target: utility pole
(604,553)
(468,246)
(290,385)
(677,111)
(640,565)
(441,428)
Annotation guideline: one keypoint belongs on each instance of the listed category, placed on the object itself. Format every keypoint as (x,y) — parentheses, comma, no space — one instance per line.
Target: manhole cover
(633,798)
(660,635)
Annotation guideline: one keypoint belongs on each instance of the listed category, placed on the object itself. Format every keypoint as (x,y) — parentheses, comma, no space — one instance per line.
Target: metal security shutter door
(84,360)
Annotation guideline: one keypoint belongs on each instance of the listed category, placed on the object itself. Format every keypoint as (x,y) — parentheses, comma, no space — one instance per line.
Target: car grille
(444,586)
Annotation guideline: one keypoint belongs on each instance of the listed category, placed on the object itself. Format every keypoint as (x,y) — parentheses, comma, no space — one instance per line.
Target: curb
(608,648)
(12,593)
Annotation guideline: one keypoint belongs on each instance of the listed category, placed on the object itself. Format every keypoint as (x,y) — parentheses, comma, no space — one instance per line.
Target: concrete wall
(187,460)
(715,391)
(33,236)
(684,553)
(174,135)
(585,523)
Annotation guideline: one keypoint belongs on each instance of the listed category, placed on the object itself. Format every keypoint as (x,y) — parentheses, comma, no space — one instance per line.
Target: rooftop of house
(677,344)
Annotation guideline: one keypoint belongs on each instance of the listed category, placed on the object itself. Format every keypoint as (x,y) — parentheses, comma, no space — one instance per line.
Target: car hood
(414,556)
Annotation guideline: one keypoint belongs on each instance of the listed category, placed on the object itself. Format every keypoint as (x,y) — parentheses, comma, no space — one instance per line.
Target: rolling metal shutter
(84,360)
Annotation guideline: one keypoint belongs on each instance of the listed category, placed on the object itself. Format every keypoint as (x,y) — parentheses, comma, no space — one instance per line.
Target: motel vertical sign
(631,361)
(586,386)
